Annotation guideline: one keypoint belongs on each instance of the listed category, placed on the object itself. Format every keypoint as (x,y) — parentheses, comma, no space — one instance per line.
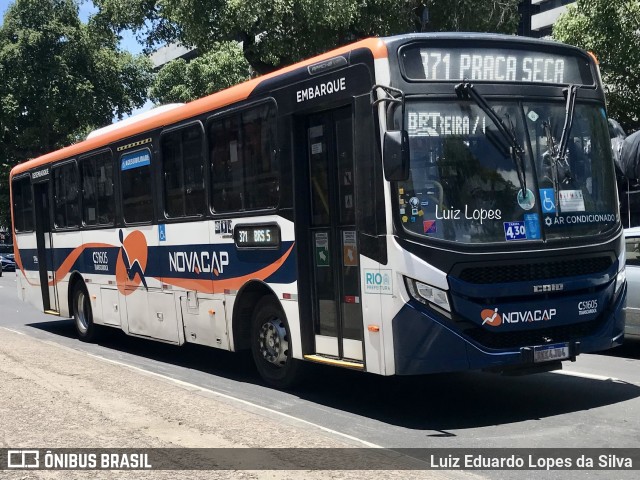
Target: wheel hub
(81,313)
(273,342)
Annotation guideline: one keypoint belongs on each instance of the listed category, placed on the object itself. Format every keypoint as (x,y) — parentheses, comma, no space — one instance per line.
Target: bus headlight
(428,295)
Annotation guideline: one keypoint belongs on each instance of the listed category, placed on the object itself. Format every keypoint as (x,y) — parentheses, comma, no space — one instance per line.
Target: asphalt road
(594,402)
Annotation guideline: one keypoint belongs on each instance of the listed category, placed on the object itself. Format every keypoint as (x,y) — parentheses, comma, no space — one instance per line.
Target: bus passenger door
(44,245)
(334,262)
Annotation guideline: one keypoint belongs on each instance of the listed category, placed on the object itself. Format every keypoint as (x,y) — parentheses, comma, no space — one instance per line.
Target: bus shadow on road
(233,366)
(439,402)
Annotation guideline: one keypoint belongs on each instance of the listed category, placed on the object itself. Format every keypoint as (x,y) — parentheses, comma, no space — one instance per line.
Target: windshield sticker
(405,219)
(532,226)
(533,116)
(547,200)
(430,226)
(414,202)
(526,201)
(571,201)
(564,220)
(514,231)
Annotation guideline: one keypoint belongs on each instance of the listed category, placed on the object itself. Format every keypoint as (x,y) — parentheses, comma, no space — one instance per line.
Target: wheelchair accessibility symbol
(547,200)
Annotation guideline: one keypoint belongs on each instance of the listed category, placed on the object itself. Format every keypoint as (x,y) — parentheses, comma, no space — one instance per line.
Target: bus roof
(211,102)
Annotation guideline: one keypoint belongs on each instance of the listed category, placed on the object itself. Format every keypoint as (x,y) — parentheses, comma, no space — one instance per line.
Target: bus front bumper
(424,343)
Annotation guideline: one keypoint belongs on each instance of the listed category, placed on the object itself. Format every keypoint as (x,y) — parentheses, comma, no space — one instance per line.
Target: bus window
(137,200)
(243,169)
(261,179)
(183,172)
(22,205)
(66,209)
(97,185)
(226,166)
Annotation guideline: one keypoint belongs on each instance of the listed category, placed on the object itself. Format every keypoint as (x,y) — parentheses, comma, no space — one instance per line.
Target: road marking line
(590,376)
(193,386)
(14,331)
(229,397)
(239,400)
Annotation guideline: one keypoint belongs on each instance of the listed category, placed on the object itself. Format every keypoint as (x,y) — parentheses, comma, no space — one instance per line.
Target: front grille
(524,338)
(527,272)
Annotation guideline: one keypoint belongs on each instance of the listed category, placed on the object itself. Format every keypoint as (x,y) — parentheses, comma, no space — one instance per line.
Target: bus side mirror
(396,155)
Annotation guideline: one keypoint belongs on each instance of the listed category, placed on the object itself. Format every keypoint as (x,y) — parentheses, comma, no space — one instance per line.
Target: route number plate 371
(547,353)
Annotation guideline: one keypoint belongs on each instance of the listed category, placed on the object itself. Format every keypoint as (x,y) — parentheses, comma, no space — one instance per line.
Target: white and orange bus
(406,205)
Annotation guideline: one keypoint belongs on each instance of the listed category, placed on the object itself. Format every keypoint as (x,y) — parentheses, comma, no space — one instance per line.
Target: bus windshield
(464,185)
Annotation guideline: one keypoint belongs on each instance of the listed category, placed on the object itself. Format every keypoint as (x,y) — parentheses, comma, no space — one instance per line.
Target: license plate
(546,353)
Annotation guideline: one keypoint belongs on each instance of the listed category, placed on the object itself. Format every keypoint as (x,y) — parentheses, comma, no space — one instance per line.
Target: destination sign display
(494,65)
(256,236)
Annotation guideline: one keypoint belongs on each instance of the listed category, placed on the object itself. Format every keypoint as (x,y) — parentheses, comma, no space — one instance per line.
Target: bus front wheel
(271,345)
(82,314)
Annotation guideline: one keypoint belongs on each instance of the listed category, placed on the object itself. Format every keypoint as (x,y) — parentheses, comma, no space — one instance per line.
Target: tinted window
(183,172)
(66,207)
(137,201)
(22,205)
(98,205)
(243,166)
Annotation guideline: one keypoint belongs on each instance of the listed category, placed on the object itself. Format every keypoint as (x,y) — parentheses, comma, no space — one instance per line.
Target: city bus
(406,205)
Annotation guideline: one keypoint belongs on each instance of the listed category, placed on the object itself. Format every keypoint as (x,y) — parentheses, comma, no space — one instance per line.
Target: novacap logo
(132,261)
(491,317)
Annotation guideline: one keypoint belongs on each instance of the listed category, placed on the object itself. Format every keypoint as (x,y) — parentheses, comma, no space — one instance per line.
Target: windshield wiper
(516,152)
(558,152)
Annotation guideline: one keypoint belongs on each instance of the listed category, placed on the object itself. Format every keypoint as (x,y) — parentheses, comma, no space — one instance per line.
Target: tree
(612,31)
(60,78)
(275,33)
(181,81)
(499,16)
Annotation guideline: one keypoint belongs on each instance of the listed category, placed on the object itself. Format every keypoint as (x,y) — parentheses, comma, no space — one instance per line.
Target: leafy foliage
(60,78)
(275,33)
(499,16)
(612,31)
(279,32)
(218,69)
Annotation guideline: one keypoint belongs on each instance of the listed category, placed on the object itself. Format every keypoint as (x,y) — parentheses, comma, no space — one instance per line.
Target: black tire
(271,346)
(83,315)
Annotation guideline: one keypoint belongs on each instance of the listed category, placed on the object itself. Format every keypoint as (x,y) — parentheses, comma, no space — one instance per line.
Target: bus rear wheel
(82,314)
(271,345)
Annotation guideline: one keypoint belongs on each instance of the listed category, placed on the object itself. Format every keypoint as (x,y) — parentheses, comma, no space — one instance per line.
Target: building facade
(538,16)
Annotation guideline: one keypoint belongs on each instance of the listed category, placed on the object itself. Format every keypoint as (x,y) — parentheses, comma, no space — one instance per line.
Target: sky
(87,8)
